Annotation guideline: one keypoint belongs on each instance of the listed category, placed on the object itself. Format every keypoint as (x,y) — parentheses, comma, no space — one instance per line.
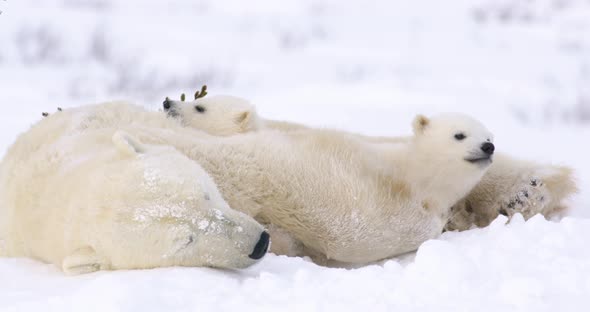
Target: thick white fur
(502,189)
(77,192)
(340,197)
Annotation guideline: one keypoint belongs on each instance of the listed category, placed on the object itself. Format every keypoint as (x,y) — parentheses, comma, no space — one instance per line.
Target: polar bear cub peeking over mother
(223,115)
(220,115)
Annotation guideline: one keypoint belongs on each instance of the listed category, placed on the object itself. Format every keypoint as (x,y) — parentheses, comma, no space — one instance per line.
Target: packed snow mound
(538,265)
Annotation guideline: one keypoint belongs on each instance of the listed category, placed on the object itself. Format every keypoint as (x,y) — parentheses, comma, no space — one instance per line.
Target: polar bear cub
(341,197)
(99,199)
(217,115)
(223,115)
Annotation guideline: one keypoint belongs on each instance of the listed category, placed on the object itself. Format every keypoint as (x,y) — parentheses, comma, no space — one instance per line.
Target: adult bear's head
(150,206)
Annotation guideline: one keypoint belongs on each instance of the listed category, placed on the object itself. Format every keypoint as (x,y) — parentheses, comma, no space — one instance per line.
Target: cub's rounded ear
(127,144)
(420,124)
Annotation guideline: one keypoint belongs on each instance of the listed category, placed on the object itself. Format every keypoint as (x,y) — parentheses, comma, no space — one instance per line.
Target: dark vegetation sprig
(199,94)
(45,114)
(202,93)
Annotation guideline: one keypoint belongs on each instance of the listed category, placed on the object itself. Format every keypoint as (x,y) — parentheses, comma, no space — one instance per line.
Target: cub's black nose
(167,104)
(261,247)
(488,148)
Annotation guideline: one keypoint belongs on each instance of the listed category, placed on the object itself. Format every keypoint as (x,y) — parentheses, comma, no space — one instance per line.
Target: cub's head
(151,206)
(216,115)
(456,144)
(456,136)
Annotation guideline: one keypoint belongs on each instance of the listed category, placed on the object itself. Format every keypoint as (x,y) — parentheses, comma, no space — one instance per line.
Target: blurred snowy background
(520,66)
(525,60)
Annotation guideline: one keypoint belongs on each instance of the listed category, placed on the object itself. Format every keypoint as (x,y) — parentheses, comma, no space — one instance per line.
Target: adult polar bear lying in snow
(510,186)
(88,199)
(341,197)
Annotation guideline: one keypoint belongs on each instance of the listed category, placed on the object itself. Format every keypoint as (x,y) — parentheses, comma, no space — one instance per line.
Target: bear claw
(536,182)
(528,201)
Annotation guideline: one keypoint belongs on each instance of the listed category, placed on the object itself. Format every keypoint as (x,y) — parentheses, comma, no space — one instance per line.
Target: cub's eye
(460,136)
(200,109)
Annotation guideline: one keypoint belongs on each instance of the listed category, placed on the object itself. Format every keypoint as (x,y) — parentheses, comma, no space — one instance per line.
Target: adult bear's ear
(83,260)
(243,120)
(420,124)
(127,144)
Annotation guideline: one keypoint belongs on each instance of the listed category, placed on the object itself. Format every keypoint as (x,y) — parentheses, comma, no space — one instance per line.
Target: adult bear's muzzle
(261,247)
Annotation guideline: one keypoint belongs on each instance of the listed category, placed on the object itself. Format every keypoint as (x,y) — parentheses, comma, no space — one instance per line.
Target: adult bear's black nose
(488,148)
(167,104)
(261,247)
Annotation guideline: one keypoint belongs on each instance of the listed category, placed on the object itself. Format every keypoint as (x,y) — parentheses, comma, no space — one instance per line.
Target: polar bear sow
(90,199)
(511,185)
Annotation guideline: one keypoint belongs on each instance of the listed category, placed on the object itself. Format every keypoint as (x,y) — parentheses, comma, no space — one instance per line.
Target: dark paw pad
(528,199)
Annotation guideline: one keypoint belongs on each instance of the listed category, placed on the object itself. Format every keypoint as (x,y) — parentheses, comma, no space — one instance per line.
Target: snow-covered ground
(532,266)
(521,67)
